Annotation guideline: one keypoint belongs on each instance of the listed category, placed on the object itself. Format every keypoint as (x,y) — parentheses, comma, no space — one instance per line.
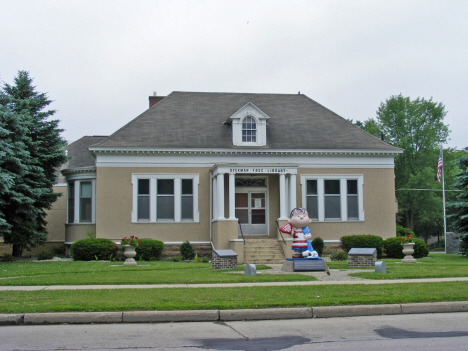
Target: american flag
(439,167)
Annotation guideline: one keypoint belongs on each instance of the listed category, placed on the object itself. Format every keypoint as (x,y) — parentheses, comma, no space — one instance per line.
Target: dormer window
(249,130)
(249,126)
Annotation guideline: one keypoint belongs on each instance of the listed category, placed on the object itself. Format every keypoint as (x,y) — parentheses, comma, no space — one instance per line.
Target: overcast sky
(100,60)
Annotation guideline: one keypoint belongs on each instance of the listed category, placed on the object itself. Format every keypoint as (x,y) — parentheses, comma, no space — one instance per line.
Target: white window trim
(249,110)
(77,184)
(343,195)
(177,197)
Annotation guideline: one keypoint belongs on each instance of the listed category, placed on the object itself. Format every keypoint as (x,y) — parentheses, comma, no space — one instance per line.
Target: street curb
(72,318)
(265,314)
(350,311)
(230,315)
(170,316)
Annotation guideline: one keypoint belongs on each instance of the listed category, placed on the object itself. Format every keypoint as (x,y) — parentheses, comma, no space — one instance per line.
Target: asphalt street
(441,331)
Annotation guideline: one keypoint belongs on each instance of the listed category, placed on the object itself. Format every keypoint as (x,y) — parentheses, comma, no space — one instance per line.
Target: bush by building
(318,245)
(349,242)
(93,248)
(186,250)
(394,249)
(339,256)
(149,250)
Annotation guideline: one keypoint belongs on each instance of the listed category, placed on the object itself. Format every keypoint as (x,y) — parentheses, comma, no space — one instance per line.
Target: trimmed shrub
(149,250)
(420,248)
(186,250)
(8,258)
(92,248)
(339,256)
(59,251)
(45,255)
(318,245)
(349,242)
(402,231)
(394,249)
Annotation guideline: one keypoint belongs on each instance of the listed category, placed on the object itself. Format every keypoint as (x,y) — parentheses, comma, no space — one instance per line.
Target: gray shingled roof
(195,120)
(80,155)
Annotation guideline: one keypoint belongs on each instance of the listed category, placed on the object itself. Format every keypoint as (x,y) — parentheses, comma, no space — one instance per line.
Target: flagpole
(443,196)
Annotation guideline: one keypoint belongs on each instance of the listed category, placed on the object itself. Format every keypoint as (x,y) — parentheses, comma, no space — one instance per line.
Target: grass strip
(227,298)
(110,273)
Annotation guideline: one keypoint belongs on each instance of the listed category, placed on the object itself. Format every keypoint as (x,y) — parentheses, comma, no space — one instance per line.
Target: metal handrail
(277,224)
(240,227)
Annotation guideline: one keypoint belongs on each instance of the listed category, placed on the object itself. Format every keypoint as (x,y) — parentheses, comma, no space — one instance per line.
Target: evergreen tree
(459,206)
(33,152)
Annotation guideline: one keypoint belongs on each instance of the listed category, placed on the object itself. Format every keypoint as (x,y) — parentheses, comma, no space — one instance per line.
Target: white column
(232,196)
(220,182)
(282,196)
(292,191)
(215,198)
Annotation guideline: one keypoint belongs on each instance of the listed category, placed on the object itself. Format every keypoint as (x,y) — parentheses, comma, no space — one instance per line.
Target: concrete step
(264,261)
(263,251)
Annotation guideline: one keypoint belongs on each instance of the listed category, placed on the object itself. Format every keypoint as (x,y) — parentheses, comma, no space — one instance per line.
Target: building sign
(258,170)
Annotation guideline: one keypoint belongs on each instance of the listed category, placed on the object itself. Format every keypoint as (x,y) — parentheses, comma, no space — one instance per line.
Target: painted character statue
(297,228)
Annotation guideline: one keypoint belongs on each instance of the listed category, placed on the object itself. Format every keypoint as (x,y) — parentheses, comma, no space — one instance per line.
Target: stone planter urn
(408,251)
(129,253)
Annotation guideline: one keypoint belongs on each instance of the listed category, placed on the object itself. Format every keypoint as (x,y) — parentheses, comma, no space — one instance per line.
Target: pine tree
(459,207)
(33,152)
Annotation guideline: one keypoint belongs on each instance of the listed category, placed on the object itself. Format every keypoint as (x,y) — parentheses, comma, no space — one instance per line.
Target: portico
(244,194)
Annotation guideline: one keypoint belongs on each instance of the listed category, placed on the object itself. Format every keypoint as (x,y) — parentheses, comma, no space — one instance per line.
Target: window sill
(166,222)
(81,223)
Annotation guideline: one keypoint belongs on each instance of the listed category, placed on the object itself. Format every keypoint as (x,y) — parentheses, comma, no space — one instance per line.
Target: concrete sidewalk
(229,285)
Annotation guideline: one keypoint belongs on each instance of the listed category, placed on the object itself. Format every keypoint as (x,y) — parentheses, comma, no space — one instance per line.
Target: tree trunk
(17,250)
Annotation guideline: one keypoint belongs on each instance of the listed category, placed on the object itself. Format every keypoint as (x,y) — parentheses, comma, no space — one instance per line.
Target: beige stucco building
(220,168)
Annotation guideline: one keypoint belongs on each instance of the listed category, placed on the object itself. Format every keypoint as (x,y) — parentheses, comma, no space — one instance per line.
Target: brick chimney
(153,100)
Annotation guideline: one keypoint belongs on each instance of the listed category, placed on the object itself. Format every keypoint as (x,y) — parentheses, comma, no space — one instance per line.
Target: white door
(251,212)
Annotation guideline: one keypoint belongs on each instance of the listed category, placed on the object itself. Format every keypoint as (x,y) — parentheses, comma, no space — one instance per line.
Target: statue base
(315,264)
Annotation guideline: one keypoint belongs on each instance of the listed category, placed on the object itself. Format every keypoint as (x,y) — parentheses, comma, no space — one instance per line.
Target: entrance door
(251,212)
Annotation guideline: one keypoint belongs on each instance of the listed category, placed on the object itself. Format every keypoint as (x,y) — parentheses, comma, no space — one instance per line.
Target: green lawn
(436,265)
(228,298)
(162,272)
(102,273)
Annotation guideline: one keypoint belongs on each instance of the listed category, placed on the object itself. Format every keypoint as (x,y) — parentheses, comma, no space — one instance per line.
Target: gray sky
(100,60)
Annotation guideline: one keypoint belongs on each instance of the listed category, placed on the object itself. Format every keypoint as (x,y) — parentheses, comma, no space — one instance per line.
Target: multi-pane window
(333,197)
(249,130)
(187,199)
(143,199)
(352,197)
(71,202)
(312,199)
(80,201)
(85,201)
(165,198)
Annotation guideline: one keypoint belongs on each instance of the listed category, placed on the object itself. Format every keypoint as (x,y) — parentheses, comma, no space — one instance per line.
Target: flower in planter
(406,239)
(132,240)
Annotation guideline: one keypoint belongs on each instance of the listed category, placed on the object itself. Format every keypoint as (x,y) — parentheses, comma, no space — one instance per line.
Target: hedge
(318,245)
(394,249)
(362,241)
(149,250)
(93,248)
